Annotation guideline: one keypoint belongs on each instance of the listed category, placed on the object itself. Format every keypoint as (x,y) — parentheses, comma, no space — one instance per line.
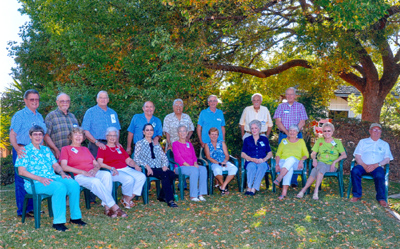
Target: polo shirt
(208,120)
(249,114)
(23,121)
(373,151)
(137,123)
(290,114)
(59,125)
(96,121)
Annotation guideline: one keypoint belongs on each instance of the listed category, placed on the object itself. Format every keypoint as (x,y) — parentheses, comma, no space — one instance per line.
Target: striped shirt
(290,115)
(59,125)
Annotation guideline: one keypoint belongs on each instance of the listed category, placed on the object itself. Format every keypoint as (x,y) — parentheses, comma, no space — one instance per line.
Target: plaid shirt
(59,126)
(290,115)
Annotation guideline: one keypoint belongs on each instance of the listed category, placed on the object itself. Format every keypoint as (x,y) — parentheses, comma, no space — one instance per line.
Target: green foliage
(6,171)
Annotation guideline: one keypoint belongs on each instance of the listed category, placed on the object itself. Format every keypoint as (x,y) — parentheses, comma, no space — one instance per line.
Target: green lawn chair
(271,171)
(369,177)
(86,192)
(301,172)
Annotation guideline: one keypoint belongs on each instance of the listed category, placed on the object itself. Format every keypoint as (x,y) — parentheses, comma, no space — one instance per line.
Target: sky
(11,20)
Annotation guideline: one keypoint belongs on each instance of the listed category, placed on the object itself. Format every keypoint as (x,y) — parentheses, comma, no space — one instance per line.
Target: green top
(328,152)
(287,149)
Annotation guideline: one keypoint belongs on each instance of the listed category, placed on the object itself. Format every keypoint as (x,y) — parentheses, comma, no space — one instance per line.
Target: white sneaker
(195,199)
(201,198)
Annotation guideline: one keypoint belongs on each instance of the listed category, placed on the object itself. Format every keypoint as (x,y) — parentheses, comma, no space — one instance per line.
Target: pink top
(77,157)
(184,153)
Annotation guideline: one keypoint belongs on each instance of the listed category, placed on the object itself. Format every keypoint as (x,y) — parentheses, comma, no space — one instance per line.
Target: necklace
(112,149)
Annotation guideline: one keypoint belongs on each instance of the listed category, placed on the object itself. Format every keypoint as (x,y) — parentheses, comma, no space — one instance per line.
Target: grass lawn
(236,221)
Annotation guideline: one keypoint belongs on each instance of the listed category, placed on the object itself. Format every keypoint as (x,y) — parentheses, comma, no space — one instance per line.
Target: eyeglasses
(148,130)
(111,135)
(33,100)
(213,100)
(65,101)
(37,134)
(377,130)
(327,131)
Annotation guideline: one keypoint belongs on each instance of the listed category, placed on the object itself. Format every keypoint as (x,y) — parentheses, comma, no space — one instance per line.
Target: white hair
(291,88)
(61,94)
(102,91)
(256,94)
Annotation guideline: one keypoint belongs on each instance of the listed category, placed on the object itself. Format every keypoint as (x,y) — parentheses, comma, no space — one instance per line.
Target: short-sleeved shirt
(373,151)
(143,155)
(328,152)
(208,120)
(22,121)
(257,150)
(77,157)
(249,114)
(113,157)
(59,125)
(171,124)
(96,121)
(287,149)
(218,152)
(38,162)
(290,115)
(137,123)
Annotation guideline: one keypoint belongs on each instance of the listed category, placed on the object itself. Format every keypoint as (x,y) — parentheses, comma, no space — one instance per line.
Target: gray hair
(177,100)
(182,126)
(294,127)
(36,128)
(330,125)
(291,88)
(102,91)
(33,91)
(212,96)
(256,94)
(256,122)
(111,129)
(61,94)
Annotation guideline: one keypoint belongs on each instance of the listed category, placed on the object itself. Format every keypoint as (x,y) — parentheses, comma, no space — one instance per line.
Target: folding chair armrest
(387,169)
(31,182)
(353,163)
(242,165)
(234,160)
(340,169)
(201,162)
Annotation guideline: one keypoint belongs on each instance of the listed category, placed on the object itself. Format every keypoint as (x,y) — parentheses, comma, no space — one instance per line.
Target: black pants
(167,179)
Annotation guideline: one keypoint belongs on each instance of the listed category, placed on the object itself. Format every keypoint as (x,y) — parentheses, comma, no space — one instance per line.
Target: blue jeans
(379,178)
(58,189)
(19,189)
(282,136)
(255,174)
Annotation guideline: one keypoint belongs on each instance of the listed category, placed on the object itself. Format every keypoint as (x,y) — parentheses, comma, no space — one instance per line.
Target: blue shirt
(217,153)
(38,162)
(259,150)
(137,123)
(208,120)
(96,121)
(22,121)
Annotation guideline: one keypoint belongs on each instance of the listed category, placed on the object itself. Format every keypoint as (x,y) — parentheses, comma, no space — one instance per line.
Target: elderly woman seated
(185,156)
(40,165)
(217,153)
(78,160)
(256,151)
(330,151)
(150,154)
(122,167)
(291,154)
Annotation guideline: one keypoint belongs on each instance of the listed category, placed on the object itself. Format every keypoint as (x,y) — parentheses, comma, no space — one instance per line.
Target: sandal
(132,204)
(110,213)
(300,195)
(126,204)
(281,197)
(315,197)
(276,182)
(120,213)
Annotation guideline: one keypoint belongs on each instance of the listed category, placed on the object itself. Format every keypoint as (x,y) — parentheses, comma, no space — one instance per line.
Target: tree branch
(260,74)
(359,69)
(381,24)
(354,80)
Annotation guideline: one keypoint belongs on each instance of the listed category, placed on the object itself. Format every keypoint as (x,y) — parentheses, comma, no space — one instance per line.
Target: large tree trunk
(372,107)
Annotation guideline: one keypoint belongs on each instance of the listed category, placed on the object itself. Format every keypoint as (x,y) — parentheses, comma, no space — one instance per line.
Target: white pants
(132,181)
(290,163)
(101,185)
(217,169)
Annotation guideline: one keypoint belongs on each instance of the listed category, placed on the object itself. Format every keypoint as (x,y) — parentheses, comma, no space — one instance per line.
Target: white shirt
(263,115)
(373,151)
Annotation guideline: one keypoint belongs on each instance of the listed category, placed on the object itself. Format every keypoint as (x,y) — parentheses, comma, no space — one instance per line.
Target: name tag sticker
(119,151)
(187,145)
(74,125)
(284,142)
(154,125)
(333,143)
(380,149)
(262,143)
(263,123)
(286,111)
(74,150)
(218,119)
(113,119)
(218,146)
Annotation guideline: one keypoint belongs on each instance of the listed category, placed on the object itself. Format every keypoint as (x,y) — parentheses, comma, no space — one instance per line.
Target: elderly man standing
(211,117)
(256,112)
(59,124)
(96,121)
(287,114)
(371,154)
(135,129)
(172,122)
(21,122)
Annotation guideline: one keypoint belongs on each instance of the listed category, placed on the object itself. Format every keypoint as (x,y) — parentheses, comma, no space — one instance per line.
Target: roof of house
(345,91)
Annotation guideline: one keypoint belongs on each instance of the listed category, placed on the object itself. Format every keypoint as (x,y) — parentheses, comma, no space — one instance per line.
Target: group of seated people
(40,165)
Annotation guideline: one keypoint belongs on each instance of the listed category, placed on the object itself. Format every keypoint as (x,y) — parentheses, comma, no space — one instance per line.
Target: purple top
(291,115)
(184,153)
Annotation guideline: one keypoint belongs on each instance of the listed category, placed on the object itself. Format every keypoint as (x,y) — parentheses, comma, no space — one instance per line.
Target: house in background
(339,107)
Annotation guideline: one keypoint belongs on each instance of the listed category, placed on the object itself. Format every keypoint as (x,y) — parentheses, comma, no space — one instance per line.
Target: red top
(184,153)
(77,157)
(113,157)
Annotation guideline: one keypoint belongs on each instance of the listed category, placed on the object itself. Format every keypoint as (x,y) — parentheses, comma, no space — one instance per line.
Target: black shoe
(172,204)
(293,185)
(60,227)
(78,222)
(161,199)
(247,193)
